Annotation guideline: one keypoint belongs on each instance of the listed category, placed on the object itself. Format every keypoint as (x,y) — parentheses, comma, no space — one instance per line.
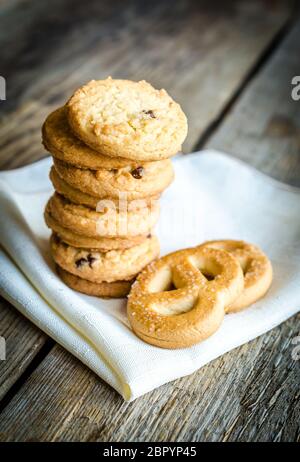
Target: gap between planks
(262,60)
(203,139)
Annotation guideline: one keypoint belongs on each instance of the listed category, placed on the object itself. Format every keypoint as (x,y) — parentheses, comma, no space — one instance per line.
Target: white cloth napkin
(213,196)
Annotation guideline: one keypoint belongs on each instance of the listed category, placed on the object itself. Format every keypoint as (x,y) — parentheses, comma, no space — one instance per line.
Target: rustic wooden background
(230,65)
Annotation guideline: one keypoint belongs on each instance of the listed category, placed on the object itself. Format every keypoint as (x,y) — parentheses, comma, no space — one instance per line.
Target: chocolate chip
(114,170)
(149,235)
(150,113)
(137,173)
(80,262)
(91,259)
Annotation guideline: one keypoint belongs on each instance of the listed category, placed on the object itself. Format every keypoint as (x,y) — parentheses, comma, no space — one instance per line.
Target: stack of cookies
(111,145)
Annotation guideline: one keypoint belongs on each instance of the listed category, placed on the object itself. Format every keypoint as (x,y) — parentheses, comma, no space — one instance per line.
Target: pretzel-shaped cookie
(180,299)
(256,267)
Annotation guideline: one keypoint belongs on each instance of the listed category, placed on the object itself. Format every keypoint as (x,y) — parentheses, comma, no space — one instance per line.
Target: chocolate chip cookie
(107,222)
(117,289)
(103,244)
(122,118)
(111,266)
(135,184)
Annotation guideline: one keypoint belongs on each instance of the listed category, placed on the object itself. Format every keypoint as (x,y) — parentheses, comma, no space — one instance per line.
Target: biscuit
(59,140)
(111,266)
(127,119)
(180,299)
(256,267)
(117,289)
(81,198)
(135,184)
(71,193)
(132,221)
(103,244)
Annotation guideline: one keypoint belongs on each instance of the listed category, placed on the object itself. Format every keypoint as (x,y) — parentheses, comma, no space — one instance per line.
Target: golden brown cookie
(180,299)
(256,267)
(112,183)
(107,222)
(79,197)
(59,140)
(71,193)
(127,119)
(103,244)
(117,289)
(111,266)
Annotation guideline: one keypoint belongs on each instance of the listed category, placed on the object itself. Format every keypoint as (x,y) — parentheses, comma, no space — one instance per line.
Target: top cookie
(60,141)
(121,118)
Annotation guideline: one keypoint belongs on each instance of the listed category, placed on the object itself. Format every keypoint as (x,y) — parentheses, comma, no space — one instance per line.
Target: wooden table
(230,65)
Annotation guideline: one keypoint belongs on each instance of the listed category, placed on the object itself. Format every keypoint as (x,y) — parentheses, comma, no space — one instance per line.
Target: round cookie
(133,221)
(71,193)
(111,183)
(60,141)
(103,244)
(122,118)
(256,266)
(81,198)
(111,266)
(117,289)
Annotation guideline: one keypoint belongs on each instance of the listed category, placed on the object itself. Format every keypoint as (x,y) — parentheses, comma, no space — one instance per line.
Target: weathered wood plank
(23,342)
(200,51)
(62,399)
(42,63)
(263,127)
(249,393)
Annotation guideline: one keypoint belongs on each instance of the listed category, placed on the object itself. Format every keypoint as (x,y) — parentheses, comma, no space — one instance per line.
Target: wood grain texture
(43,59)
(248,394)
(263,127)
(23,342)
(200,51)
(202,55)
